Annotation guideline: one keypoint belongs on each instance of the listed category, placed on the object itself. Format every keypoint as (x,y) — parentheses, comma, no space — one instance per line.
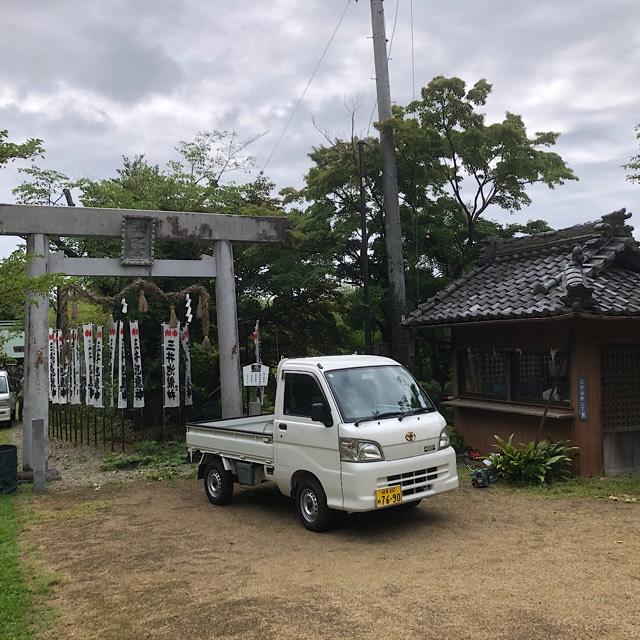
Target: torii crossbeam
(138,231)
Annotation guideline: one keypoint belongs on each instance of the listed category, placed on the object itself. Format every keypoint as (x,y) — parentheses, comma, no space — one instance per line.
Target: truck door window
(300,392)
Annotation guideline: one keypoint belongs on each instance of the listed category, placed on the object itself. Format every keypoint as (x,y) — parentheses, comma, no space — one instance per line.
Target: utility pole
(364,250)
(392,227)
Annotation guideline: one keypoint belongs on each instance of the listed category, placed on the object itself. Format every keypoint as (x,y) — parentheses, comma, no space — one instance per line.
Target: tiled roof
(592,268)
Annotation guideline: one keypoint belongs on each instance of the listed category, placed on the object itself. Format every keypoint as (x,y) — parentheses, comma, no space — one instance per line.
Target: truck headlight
(445,441)
(353,450)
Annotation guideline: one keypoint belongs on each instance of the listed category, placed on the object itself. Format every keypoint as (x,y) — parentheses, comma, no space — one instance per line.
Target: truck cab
(349,433)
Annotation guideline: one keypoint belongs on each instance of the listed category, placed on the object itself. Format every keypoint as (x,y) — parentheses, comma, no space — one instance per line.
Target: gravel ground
(79,465)
(156,560)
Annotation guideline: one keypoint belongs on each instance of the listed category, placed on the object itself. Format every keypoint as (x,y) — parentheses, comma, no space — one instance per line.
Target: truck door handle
(282,427)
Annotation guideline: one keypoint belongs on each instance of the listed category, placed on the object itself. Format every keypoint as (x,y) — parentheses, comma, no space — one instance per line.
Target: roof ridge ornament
(613,224)
(578,292)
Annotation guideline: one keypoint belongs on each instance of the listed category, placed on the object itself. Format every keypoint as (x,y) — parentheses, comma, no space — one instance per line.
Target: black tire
(409,505)
(218,483)
(311,505)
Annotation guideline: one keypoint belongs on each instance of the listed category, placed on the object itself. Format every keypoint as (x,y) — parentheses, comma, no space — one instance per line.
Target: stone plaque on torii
(138,231)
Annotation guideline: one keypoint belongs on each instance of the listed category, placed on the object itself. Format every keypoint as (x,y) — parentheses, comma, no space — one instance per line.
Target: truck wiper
(388,414)
(415,412)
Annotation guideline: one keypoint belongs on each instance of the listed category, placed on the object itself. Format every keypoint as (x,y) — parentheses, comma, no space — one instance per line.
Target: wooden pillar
(586,382)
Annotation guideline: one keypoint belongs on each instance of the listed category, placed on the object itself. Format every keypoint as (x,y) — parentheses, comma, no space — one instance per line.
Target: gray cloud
(97,80)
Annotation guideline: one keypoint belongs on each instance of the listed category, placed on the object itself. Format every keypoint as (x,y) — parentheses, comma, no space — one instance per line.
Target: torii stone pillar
(228,344)
(36,327)
(138,230)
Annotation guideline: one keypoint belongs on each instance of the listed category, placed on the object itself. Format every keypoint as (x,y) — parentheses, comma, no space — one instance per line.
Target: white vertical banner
(136,359)
(87,335)
(98,390)
(62,369)
(70,375)
(53,367)
(171,364)
(188,390)
(75,368)
(113,337)
(122,368)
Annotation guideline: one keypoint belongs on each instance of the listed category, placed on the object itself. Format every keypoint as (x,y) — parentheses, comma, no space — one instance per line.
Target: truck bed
(246,438)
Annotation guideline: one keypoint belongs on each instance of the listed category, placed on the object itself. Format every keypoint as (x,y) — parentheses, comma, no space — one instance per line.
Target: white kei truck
(349,433)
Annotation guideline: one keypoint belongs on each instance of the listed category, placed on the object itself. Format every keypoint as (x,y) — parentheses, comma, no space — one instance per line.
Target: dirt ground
(143,560)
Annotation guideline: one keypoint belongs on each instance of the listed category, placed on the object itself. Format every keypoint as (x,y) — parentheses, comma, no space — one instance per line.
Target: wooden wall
(478,426)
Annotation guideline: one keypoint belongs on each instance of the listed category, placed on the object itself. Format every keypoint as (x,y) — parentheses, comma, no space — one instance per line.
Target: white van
(7,399)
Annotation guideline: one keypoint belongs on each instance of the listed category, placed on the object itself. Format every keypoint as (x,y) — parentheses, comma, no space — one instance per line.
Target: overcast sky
(100,79)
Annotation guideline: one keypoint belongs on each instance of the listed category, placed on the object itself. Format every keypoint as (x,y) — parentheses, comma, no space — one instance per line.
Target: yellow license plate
(388,497)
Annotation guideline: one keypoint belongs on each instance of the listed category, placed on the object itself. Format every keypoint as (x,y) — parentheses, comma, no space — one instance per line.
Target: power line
(304,93)
(393,33)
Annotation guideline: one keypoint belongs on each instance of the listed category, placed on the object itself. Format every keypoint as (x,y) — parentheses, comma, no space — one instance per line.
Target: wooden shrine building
(546,342)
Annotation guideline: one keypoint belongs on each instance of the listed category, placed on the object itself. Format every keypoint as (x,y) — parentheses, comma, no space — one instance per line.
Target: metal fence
(108,428)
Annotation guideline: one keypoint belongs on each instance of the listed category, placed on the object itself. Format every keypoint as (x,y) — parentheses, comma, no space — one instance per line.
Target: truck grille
(413,482)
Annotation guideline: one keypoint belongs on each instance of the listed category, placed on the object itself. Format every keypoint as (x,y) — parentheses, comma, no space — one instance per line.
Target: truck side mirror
(319,413)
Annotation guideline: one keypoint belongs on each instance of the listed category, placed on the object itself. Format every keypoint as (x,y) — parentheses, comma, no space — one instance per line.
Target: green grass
(624,488)
(14,593)
(162,461)
(23,588)
(15,598)
(619,488)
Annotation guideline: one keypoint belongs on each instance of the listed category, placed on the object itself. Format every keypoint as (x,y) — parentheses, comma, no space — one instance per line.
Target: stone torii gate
(138,231)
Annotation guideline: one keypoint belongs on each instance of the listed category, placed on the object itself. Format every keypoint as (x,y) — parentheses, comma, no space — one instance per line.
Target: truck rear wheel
(218,483)
(311,505)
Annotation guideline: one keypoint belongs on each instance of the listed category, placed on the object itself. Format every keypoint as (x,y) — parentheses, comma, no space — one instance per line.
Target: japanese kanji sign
(136,358)
(97,369)
(74,373)
(122,368)
(53,367)
(188,390)
(113,335)
(171,364)
(87,336)
(62,369)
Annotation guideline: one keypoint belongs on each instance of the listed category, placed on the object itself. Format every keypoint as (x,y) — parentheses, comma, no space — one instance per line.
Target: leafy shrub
(148,453)
(456,439)
(532,463)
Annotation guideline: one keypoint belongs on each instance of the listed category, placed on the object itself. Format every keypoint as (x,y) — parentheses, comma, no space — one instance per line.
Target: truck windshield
(4,388)
(369,392)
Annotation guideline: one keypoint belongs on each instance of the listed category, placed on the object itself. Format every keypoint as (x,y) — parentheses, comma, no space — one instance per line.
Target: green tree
(633,166)
(479,165)
(452,168)
(41,186)
(15,285)
(10,151)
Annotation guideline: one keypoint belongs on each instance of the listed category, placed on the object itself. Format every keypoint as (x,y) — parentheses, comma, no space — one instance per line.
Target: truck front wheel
(311,505)
(218,483)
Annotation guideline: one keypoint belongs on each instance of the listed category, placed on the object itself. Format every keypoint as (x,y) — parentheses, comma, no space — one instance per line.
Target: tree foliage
(473,165)
(633,166)
(41,186)
(10,151)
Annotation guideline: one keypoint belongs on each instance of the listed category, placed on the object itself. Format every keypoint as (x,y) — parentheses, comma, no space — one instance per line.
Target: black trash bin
(8,468)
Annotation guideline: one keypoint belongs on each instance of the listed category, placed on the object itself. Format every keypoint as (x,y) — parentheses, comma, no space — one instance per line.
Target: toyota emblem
(410,436)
